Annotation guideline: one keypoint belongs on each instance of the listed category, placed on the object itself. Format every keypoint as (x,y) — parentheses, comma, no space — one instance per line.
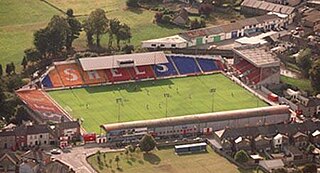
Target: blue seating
(185,65)
(167,69)
(46,82)
(207,65)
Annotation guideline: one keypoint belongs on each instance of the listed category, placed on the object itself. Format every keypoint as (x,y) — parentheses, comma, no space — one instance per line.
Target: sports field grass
(145,100)
(140,20)
(165,161)
(18,20)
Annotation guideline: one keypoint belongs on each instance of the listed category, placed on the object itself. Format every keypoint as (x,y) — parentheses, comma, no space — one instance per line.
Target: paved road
(76,158)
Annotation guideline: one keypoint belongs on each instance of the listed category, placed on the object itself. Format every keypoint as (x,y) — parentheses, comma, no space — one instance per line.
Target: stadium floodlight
(212,91)
(119,102)
(166,95)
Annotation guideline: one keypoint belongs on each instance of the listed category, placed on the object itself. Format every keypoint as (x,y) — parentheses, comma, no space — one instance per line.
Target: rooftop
(258,55)
(216,116)
(176,39)
(114,61)
(268,6)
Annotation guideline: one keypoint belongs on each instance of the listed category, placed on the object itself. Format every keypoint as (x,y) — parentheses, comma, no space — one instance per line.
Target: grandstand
(255,65)
(197,124)
(42,108)
(126,68)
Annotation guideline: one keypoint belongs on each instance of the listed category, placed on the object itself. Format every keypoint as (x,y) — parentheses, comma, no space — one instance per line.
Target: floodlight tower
(212,91)
(119,102)
(166,95)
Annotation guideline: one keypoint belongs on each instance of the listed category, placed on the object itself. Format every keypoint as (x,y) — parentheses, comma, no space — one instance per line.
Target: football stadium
(126,88)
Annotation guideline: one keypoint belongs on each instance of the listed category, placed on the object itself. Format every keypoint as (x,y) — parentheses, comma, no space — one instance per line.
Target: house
(57,166)
(293,153)
(291,3)
(279,141)
(33,135)
(215,34)
(70,129)
(34,160)
(9,162)
(271,165)
(256,7)
(300,140)
(310,106)
(262,143)
(182,18)
(242,144)
(223,140)
(7,140)
(311,20)
(29,167)
(315,137)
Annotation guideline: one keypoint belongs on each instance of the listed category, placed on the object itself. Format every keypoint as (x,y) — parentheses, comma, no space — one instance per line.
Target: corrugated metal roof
(108,62)
(268,6)
(257,55)
(192,119)
(226,28)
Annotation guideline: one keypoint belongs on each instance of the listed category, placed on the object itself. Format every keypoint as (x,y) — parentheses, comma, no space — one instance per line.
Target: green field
(302,84)
(145,100)
(20,19)
(166,161)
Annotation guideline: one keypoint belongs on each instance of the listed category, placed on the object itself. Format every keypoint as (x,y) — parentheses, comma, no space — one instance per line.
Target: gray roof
(108,62)
(268,6)
(226,28)
(191,119)
(257,55)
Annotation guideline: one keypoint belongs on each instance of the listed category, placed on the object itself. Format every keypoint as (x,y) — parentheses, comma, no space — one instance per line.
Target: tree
(315,76)
(13,68)
(133,3)
(304,61)
(158,17)
(8,69)
(241,156)
(1,70)
(124,34)
(58,28)
(41,41)
(309,168)
(280,170)
(24,62)
(128,49)
(14,82)
(32,55)
(96,24)
(69,12)
(194,24)
(75,28)
(21,114)
(205,9)
(117,159)
(114,26)
(147,143)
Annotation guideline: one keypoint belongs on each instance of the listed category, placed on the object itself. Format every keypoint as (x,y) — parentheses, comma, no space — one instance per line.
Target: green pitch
(146,100)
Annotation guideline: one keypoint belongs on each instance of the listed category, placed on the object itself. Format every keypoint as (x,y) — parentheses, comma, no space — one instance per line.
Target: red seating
(141,72)
(69,74)
(55,78)
(94,77)
(254,75)
(39,102)
(119,74)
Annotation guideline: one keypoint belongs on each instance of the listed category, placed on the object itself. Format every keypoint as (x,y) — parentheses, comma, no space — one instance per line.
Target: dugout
(191,148)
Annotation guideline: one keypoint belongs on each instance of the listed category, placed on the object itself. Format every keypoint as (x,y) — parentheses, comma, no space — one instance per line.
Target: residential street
(76,158)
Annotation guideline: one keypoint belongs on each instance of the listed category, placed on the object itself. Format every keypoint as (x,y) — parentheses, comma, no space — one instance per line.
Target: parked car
(55,151)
